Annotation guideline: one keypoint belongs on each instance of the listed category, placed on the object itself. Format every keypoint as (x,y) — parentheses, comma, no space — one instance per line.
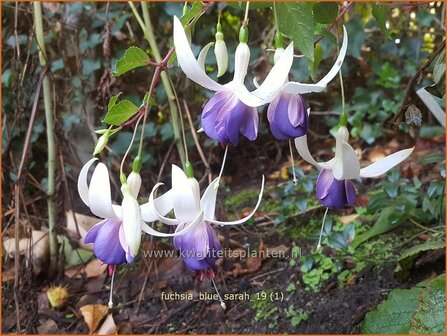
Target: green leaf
(429,317)
(296,21)
(192,12)
(419,310)
(432,158)
(133,58)
(379,12)
(394,315)
(74,257)
(121,112)
(325,12)
(410,255)
(253,4)
(389,218)
(318,55)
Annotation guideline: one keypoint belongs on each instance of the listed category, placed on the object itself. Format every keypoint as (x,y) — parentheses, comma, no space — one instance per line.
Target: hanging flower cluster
(228,115)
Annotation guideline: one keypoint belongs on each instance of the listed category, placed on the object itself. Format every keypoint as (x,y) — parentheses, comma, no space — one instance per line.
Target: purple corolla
(199,247)
(117,238)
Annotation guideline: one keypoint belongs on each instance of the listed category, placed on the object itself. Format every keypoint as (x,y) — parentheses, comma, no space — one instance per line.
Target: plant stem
(49,118)
(150,37)
(275,13)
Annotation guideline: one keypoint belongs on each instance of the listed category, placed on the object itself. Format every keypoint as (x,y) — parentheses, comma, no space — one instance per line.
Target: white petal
(347,166)
(243,220)
(241,61)
(163,204)
(186,196)
(208,201)
(82,181)
(381,166)
(188,62)
(301,88)
(244,95)
(338,63)
(146,228)
(134,182)
(202,55)
(158,212)
(303,151)
(131,223)
(99,195)
(276,77)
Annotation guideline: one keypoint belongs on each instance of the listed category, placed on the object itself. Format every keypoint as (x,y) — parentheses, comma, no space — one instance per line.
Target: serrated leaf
(133,58)
(121,112)
(325,12)
(296,21)
(429,317)
(394,315)
(379,12)
(419,310)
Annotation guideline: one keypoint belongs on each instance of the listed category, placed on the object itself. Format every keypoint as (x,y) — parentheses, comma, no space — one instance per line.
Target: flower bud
(134,182)
(101,143)
(220,50)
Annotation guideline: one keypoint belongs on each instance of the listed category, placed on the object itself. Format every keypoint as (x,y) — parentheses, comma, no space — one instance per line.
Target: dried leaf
(93,269)
(348,218)
(84,224)
(108,327)
(93,315)
(39,249)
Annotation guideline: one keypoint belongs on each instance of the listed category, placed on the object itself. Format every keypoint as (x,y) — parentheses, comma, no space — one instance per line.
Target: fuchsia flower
(287,113)
(334,188)
(198,247)
(117,238)
(232,111)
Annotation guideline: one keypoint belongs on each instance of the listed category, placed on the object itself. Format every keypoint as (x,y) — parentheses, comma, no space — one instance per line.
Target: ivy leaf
(296,21)
(133,58)
(379,12)
(325,12)
(121,112)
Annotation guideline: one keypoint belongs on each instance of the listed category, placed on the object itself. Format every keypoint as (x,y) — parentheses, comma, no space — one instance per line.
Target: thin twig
(196,141)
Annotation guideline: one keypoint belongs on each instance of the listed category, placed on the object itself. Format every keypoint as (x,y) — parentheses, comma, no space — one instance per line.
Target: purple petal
(199,248)
(287,115)
(334,193)
(211,112)
(107,246)
(225,118)
(336,197)
(93,232)
(350,192)
(324,182)
(242,120)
